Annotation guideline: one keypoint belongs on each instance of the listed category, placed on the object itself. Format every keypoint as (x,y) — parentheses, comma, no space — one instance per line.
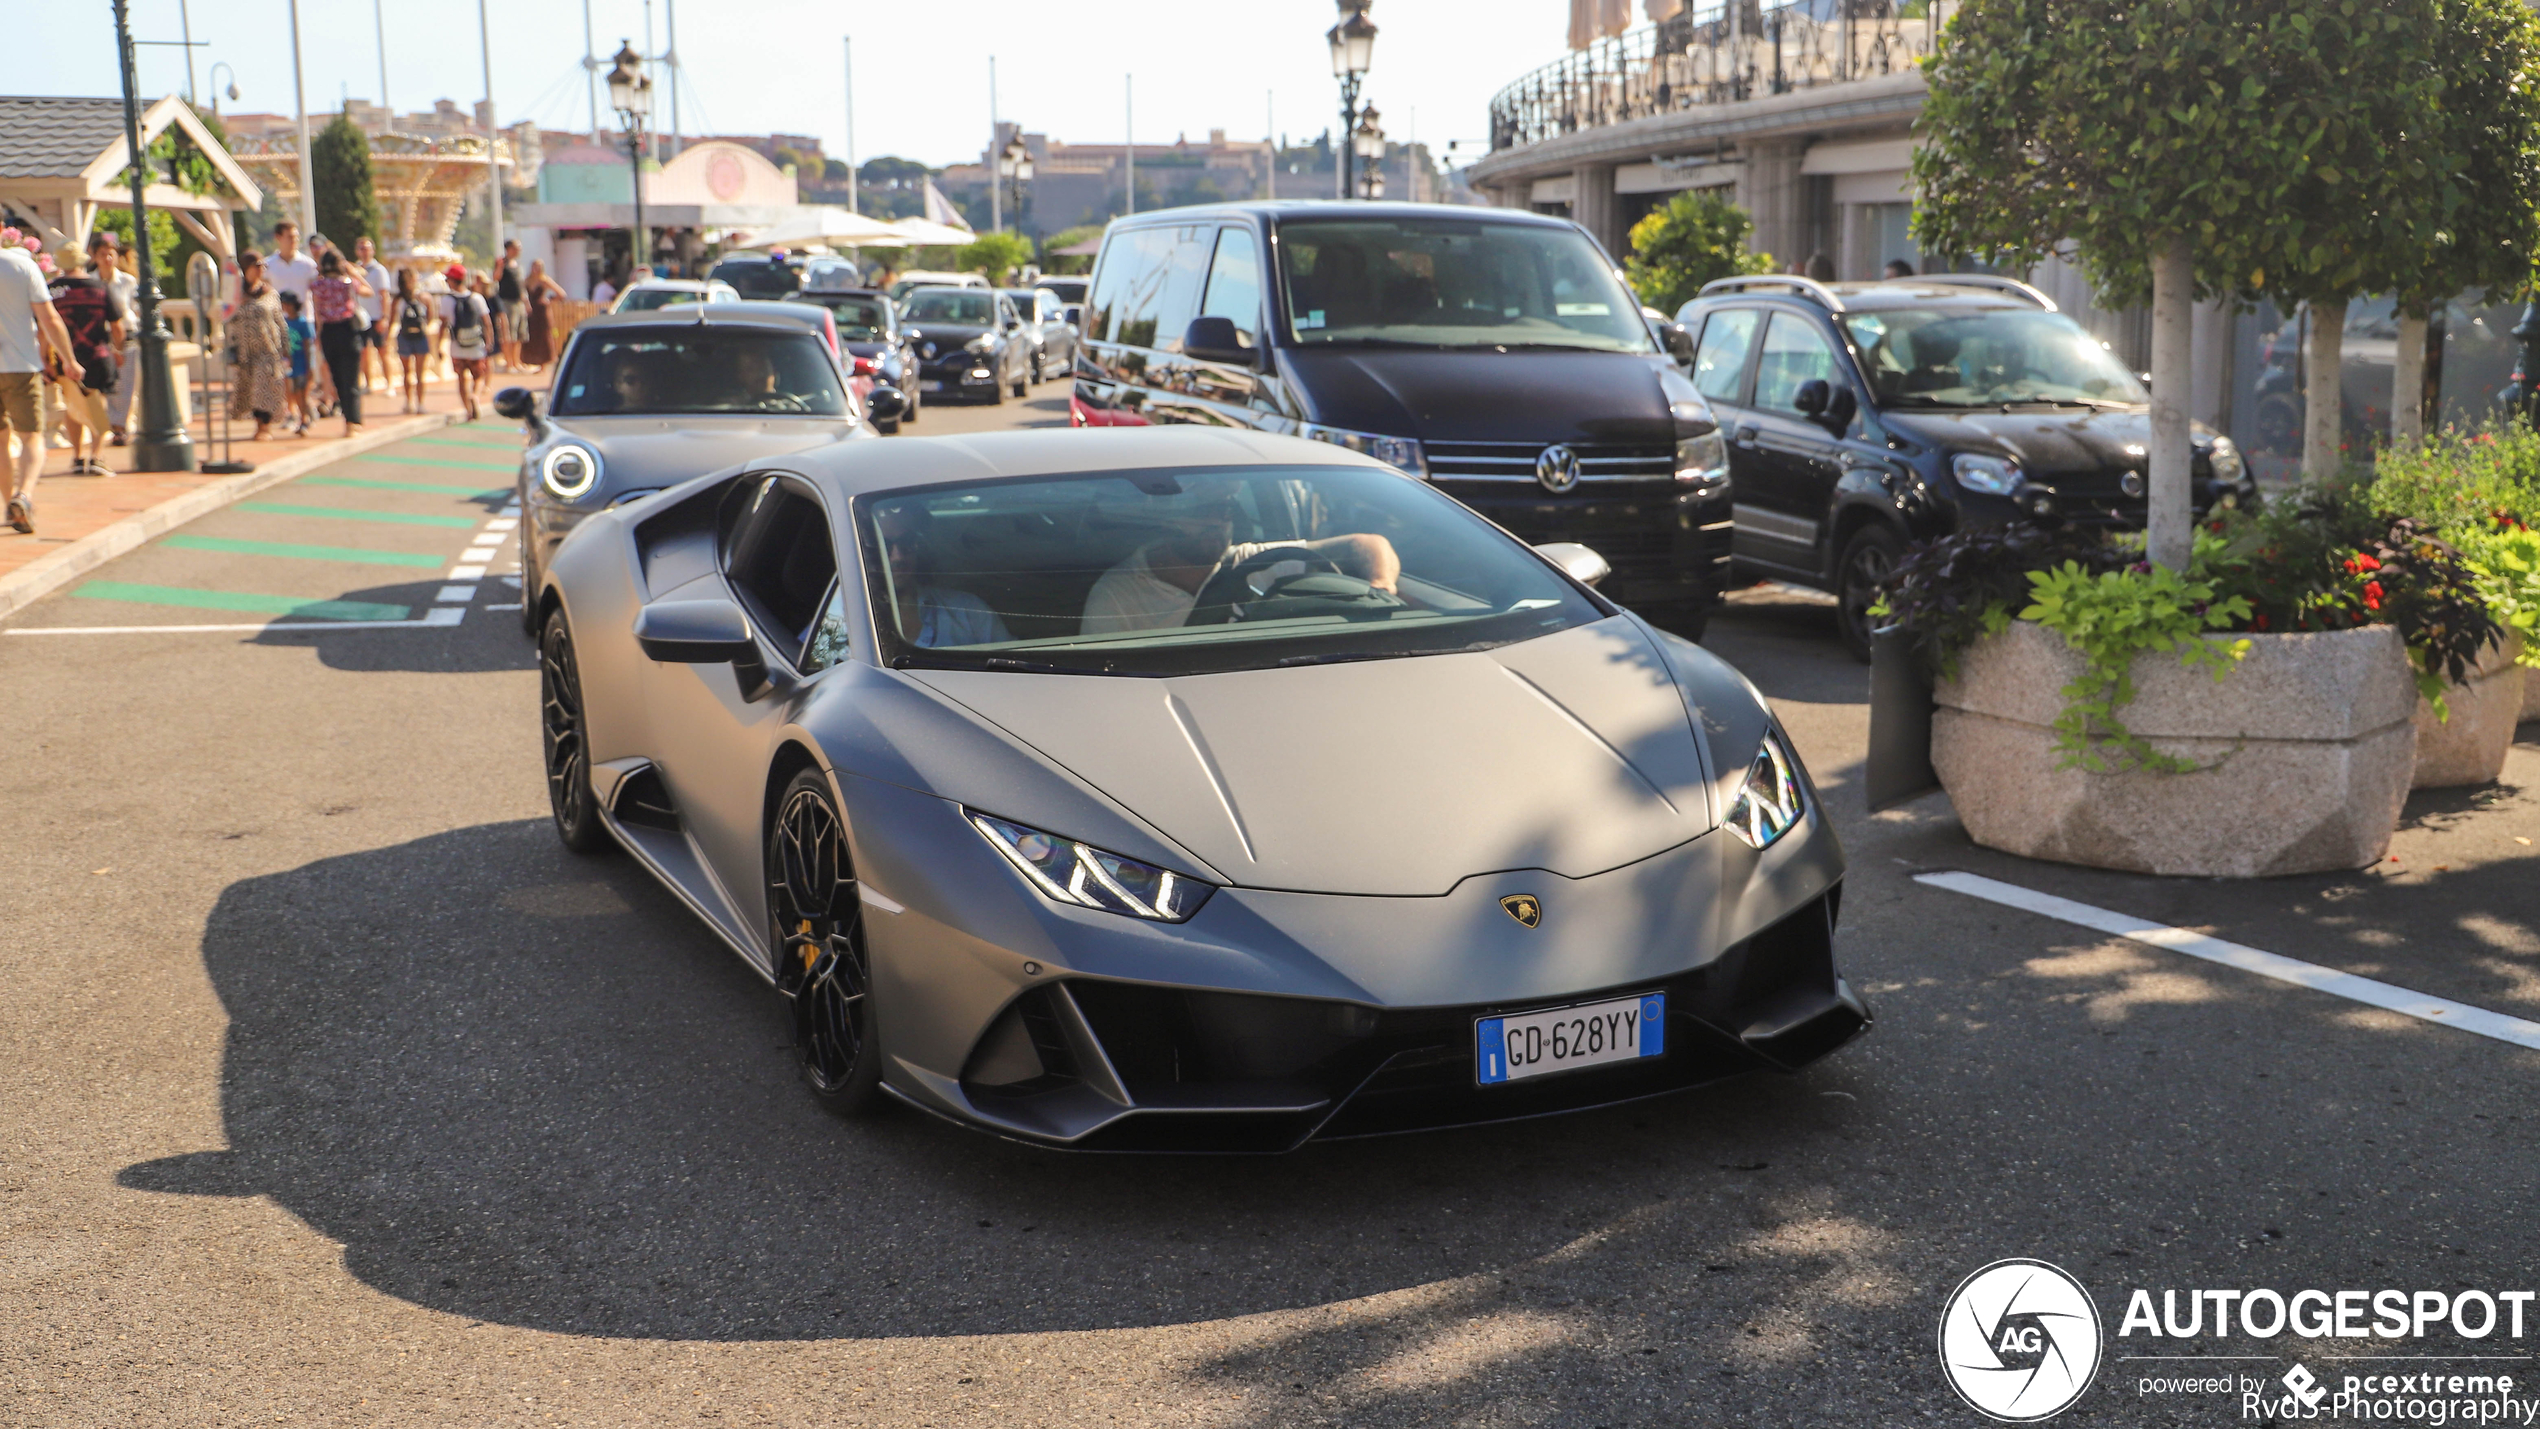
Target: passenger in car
(930,616)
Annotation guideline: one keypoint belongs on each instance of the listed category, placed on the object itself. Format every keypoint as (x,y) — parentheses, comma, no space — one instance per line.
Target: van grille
(1515,461)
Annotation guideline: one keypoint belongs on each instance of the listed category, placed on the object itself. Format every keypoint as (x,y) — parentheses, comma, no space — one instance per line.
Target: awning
(830,224)
(924,234)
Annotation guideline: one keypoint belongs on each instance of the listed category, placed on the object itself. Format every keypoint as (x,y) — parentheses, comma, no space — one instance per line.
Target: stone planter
(2531,692)
(2469,748)
(2309,740)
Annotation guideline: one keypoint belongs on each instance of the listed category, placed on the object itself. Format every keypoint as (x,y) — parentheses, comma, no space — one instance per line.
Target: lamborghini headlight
(1770,803)
(1088,877)
(569,472)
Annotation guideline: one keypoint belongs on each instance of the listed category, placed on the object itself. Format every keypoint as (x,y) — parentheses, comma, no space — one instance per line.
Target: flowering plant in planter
(2479,491)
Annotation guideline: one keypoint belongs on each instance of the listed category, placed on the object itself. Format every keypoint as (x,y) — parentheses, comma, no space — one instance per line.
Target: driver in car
(1155,588)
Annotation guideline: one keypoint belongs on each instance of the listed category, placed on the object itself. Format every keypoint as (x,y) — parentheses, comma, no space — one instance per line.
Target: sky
(767,66)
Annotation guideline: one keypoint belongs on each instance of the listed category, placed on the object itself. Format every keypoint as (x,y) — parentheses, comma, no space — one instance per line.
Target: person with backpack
(466,335)
(96,322)
(410,315)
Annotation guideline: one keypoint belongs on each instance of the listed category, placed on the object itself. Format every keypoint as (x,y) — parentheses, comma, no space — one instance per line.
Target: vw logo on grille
(2131,483)
(1557,468)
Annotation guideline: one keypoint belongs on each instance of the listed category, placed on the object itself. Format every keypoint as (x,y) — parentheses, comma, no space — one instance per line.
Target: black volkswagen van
(1494,354)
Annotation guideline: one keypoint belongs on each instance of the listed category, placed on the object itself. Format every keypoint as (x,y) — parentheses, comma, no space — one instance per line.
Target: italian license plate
(1535,1044)
(930,385)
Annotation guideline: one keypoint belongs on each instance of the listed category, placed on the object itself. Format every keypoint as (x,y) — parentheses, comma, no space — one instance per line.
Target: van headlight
(1771,802)
(1401,453)
(569,472)
(1992,475)
(1703,461)
(1088,877)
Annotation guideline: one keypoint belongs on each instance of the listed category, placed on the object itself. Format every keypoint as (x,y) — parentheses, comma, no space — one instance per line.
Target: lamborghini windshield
(1166,573)
(1920,357)
(1453,282)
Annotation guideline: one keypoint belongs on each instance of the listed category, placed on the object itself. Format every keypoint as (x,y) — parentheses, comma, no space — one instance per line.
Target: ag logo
(1557,468)
(1523,907)
(2019,1340)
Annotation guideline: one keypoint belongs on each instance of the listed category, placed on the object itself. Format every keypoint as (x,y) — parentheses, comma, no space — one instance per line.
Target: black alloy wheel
(568,752)
(1867,558)
(816,927)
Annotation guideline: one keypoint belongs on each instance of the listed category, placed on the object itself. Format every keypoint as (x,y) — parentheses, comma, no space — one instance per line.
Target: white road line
(456,594)
(465,573)
(2270,965)
(444,616)
(515,605)
(502,524)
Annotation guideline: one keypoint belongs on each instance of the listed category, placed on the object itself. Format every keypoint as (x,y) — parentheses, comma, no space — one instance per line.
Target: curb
(39,578)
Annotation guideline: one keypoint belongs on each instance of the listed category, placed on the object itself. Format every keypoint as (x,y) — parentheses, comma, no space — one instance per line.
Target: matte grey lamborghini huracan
(1185,790)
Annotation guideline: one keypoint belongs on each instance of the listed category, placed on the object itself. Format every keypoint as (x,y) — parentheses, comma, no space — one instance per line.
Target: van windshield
(1164,572)
(1453,282)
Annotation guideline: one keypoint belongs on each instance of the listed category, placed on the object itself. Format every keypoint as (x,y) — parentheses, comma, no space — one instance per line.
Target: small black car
(755,276)
(970,342)
(885,357)
(1862,416)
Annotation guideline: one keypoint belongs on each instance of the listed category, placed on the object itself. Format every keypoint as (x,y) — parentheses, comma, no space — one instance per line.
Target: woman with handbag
(259,347)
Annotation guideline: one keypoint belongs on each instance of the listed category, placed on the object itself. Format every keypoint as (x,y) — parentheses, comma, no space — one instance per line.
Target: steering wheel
(1259,577)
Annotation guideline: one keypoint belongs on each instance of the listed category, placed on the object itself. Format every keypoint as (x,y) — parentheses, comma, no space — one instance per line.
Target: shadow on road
(529,1088)
(484,640)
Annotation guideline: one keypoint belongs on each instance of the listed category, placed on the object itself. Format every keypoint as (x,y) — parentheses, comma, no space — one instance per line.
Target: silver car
(1185,790)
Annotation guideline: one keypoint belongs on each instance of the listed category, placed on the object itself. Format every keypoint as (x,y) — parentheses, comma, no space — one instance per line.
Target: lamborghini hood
(1572,753)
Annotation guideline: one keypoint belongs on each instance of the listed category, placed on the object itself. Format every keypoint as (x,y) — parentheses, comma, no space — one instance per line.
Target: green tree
(1697,238)
(2185,148)
(339,162)
(2486,184)
(1068,238)
(164,245)
(994,256)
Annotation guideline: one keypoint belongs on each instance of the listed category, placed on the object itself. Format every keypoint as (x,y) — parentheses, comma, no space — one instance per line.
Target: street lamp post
(1353,43)
(631,95)
(1014,166)
(217,91)
(1367,141)
(162,444)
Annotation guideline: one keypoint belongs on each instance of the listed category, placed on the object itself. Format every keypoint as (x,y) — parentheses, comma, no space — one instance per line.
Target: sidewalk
(83,521)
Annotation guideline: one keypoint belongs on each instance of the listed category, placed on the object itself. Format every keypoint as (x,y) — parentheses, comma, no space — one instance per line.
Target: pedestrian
(104,251)
(537,291)
(1899,268)
(96,324)
(410,314)
(466,335)
(333,301)
(260,348)
(375,307)
(290,270)
(28,326)
(1820,268)
(303,352)
(509,298)
(604,294)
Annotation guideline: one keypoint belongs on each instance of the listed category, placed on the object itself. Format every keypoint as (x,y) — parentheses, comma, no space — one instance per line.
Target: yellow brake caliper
(811,946)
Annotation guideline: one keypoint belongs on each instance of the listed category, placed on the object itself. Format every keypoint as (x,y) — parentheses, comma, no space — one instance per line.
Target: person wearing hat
(467,335)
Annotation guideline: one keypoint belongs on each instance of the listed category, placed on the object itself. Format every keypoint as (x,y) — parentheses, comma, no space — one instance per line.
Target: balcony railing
(1716,54)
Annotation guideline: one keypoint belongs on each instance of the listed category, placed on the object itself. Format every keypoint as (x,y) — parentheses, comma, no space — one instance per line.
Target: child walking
(303,338)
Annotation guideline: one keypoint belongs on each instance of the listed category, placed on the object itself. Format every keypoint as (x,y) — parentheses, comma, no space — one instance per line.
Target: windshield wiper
(1384,342)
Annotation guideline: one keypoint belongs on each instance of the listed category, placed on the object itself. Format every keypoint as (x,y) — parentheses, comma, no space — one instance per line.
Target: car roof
(1965,292)
(741,314)
(809,292)
(678,285)
(1332,208)
(855,468)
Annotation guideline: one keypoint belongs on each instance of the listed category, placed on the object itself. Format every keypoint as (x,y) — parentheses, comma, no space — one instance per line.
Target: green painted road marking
(510,466)
(241,600)
(347,513)
(437,488)
(304,553)
(457,442)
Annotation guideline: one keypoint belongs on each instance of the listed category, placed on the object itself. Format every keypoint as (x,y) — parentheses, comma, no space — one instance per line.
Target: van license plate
(1534,1044)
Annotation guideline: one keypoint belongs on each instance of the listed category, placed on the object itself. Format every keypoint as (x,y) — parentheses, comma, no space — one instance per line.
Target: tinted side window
(782,563)
(1234,283)
(1123,260)
(1794,352)
(1719,364)
(1166,297)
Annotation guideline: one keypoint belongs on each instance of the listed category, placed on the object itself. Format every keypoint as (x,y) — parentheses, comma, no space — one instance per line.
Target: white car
(654,293)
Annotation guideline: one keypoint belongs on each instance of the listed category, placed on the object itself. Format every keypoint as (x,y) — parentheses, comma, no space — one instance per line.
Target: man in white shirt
(287,268)
(1158,585)
(374,339)
(604,294)
(103,253)
(28,324)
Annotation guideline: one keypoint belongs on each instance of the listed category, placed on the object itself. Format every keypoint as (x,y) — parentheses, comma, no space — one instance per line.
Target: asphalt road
(333,1091)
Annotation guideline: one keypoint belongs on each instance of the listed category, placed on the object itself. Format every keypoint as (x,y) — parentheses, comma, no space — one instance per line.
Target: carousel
(421,186)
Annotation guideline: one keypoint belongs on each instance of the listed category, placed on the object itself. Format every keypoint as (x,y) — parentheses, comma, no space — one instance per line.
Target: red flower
(2372,595)
(2259,624)
(2361,562)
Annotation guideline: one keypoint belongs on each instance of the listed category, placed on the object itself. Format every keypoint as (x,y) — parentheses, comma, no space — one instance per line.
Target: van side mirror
(1215,340)
(1579,563)
(517,404)
(1813,397)
(887,404)
(1679,342)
